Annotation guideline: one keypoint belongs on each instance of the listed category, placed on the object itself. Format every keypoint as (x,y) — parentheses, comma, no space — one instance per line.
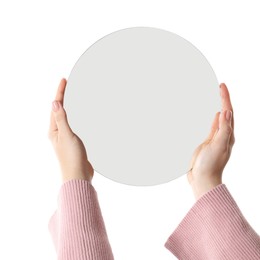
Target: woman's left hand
(210,158)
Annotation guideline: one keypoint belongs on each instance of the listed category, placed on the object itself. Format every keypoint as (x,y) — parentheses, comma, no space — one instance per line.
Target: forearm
(77,227)
(215,228)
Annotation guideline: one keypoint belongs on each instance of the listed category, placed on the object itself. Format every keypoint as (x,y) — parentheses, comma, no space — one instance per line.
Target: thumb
(60,117)
(225,129)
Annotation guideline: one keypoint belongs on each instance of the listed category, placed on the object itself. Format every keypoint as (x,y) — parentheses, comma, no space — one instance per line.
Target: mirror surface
(141,99)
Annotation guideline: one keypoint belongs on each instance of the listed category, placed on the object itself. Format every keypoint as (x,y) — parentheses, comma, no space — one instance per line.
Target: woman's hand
(210,157)
(68,147)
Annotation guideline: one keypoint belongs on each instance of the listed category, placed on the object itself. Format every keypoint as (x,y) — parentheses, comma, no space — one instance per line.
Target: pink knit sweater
(213,229)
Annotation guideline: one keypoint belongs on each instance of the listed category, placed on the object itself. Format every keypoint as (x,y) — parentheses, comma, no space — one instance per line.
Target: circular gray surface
(141,99)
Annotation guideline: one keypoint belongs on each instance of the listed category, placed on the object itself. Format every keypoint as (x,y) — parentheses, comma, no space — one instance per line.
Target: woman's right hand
(69,148)
(210,158)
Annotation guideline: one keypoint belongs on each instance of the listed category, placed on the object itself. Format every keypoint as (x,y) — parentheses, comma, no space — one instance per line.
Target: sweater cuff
(69,202)
(77,226)
(214,228)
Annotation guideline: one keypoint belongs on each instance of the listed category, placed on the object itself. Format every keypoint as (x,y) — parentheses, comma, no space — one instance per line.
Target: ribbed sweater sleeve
(215,229)
(77,227)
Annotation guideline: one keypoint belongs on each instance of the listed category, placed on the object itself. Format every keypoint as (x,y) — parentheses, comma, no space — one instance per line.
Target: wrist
(202,187)
(75,176)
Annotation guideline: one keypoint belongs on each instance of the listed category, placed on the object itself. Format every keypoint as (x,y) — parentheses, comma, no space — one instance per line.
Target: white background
(40,43)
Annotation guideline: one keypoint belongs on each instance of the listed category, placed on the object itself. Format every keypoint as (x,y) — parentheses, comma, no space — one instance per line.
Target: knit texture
(77,227)
(215,229)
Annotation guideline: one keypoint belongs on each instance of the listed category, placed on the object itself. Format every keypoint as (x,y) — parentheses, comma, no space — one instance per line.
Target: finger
(214,126)
(60,97)
(60,117)
(223,135)
(226,104)
(225,100)
(61,91)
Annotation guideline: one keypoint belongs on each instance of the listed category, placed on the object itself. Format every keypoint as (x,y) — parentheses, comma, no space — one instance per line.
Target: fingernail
(55,106)
(228,115)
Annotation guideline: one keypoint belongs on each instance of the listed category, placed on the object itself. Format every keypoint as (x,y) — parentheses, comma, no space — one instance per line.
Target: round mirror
(142,99)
